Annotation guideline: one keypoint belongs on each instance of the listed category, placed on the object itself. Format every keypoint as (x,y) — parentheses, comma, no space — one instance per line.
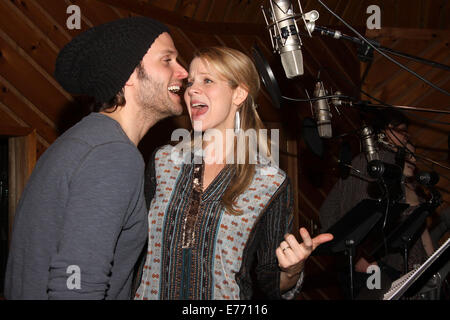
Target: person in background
(421,246)
(348,192)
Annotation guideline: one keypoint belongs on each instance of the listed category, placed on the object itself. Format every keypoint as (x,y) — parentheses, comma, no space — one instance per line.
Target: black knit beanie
(99,61)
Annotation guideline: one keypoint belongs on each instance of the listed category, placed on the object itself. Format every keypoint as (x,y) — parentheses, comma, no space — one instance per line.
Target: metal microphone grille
(369,145)
(325,130)
(292,62)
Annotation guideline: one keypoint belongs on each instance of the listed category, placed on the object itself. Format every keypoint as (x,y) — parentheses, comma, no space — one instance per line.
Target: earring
(237,123)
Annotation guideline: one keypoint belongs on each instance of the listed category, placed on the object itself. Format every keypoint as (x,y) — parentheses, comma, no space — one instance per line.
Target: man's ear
(132,79)
(239,95)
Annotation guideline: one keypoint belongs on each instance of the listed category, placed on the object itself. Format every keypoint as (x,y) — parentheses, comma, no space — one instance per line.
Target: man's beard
(152,96)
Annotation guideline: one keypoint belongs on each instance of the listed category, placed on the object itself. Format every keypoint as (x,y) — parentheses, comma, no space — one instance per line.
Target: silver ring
(286,248)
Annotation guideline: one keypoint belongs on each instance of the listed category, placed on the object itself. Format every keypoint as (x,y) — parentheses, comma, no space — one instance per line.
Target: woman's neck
(217,149)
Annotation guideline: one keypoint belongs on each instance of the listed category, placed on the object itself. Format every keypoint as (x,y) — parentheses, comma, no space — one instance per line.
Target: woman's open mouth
(198,109)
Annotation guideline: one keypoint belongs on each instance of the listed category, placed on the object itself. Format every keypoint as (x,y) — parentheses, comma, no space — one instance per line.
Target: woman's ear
(239,95)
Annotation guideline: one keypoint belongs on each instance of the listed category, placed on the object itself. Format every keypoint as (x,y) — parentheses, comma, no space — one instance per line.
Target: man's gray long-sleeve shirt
(81,222)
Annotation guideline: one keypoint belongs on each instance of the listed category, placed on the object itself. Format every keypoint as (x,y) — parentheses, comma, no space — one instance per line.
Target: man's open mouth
(175,89)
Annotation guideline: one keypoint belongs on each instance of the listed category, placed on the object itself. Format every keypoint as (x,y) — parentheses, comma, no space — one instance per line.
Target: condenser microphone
(369,144)
(285,36)
(322,113)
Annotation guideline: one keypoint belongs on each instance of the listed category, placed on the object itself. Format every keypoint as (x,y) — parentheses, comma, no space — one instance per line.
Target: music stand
(401,285)
(350,230)
(401,237)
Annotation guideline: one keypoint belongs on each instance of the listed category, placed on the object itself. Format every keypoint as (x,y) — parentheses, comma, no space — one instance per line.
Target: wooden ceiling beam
(56,10)
(20,106)
(39,87)
(83,16)
(174,19)
(6,41)
(27,36)
(9,121)
(44,21)
(14,131)
(431,91)
(407,92)
(95,12)
(16,126)
(408,33)
(401,77)
(202,10)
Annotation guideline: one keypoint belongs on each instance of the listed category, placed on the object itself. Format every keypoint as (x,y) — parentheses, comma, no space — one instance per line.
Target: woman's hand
(292,255)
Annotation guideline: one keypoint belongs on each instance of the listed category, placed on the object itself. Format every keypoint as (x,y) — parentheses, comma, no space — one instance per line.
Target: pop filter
(267,77)
(311,136)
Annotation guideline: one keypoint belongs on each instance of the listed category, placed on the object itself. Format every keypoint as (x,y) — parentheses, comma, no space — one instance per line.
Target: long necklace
(190,219)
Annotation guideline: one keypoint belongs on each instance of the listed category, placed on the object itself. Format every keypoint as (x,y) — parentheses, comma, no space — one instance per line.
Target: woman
(423,247)
(209,219)
(392,264)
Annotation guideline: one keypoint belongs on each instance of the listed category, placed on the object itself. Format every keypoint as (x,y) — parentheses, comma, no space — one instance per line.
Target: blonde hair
(238,69)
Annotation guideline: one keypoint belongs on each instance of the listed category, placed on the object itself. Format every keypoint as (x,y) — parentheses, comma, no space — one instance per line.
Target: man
(82,220)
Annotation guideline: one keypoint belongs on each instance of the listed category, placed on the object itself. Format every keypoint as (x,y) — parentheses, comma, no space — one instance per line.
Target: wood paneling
(22,158)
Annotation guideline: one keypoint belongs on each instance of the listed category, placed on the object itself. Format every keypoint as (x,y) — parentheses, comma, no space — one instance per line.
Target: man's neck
(134,123)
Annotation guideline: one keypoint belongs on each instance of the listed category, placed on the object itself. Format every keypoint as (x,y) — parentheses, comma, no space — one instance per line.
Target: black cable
(417,156)
(412,114)
(387,204)
(385,217)
(417,59)
(382,53)
(317,98)
(339,74)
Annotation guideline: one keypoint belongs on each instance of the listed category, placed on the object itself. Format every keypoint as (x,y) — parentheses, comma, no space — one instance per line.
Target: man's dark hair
(119,99)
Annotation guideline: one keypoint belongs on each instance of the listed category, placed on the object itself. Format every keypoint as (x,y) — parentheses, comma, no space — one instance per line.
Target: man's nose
(180,72)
